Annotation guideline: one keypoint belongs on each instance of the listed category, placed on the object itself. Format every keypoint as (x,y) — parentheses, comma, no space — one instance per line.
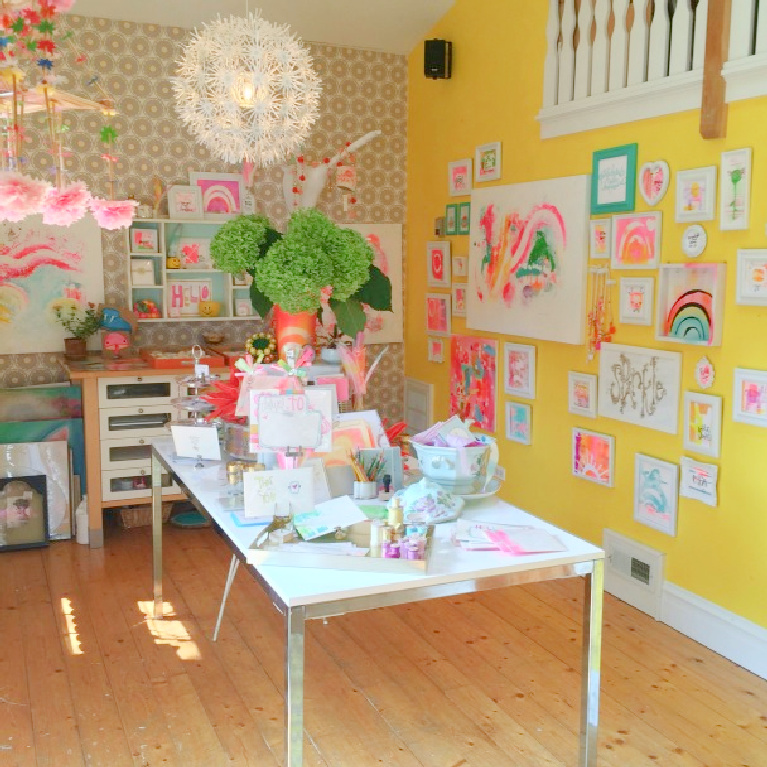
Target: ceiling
(386,25)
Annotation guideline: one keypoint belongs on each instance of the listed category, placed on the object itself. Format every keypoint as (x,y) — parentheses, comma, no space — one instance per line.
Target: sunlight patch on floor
(71,626)
(170,632)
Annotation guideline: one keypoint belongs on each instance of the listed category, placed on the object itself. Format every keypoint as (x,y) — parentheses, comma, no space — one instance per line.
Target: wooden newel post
(713,107)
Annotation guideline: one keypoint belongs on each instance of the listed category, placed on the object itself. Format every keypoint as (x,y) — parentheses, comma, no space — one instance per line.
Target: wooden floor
(491,680)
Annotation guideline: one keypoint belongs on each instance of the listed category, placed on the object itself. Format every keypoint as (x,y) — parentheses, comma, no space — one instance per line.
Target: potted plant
(81,323)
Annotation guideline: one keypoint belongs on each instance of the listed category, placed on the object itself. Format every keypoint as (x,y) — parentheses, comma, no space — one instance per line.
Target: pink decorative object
(61,6)
(113,214)
(20,196)
(62,207)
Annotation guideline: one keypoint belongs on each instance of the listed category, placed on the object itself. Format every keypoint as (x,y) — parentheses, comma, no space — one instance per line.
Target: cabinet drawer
(136,422)
(128,484)
(137,391)
(122,453)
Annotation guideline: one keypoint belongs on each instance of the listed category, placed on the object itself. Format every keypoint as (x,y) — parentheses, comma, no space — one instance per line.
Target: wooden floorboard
(87,677)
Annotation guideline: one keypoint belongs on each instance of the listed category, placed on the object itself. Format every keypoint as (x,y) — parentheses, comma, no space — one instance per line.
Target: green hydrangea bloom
(238,244)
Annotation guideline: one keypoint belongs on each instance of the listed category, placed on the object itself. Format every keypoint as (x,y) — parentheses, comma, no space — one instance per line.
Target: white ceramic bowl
(461,470)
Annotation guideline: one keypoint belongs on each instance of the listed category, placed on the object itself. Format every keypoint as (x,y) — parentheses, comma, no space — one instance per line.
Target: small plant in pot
(81,323)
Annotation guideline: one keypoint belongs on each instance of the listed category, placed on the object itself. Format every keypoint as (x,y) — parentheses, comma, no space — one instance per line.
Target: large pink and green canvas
(472,379)
(42,267)
(528,259)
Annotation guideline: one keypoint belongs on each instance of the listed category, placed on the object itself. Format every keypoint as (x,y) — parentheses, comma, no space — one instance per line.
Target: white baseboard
(736,638)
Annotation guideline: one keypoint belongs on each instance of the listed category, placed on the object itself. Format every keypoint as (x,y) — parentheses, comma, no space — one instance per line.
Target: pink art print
(593,457)
(459,177)
(437,315)
(517,370)
(191,253)
(220,195)
(753,397)
(437,263)
(636,241)
(472,380)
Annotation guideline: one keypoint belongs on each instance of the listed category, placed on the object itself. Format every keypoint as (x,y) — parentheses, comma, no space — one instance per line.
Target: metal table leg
(233,565)
(294,687)
(157,534)
(592,658)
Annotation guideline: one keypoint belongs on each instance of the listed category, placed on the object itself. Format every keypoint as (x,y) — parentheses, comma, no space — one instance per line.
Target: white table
(332,592)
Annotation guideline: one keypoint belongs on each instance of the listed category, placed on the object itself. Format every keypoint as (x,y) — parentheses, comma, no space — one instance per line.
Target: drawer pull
(141,410)
(139,378)
(142,472)
(141,442)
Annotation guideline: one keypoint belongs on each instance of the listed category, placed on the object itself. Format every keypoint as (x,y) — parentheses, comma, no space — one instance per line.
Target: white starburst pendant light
(246,89)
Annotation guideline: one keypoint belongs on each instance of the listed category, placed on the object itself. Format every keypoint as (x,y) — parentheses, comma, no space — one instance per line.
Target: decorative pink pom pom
(64,207)
(61,6)
(20,196)
(113,214)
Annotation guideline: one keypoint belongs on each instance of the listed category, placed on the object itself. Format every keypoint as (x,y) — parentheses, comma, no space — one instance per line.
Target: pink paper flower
(62,207)
(20,196)
(61,6)
(113,214)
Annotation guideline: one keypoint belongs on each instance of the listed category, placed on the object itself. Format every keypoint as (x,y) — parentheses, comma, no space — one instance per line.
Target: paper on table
(270,491)
(196,442)
(516,540)
(326,517)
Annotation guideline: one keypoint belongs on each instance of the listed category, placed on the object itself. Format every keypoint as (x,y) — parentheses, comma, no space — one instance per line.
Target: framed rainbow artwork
(636,241)
(593,457)
(690,304)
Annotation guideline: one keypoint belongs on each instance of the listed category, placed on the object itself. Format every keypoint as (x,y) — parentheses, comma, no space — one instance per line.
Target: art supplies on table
(514,540)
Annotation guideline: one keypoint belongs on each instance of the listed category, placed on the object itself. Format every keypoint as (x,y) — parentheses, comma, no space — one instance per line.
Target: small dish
(491,490)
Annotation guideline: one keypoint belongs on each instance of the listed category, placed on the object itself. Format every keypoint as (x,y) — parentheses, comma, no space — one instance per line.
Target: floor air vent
(634,572)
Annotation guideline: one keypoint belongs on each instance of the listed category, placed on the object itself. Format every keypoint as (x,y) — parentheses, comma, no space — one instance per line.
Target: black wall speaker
(437,59)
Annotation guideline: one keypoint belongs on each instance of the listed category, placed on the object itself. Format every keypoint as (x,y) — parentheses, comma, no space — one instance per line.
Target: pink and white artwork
(41,268)
(636,241)
(528,256)
(222,193)
(472,379)
(459,177)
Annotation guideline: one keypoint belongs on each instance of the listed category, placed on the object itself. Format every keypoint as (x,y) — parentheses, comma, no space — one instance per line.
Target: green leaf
(350,316)
(260,302)
(376,292)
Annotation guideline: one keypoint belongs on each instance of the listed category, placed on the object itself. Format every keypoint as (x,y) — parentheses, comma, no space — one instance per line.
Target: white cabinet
(171,277)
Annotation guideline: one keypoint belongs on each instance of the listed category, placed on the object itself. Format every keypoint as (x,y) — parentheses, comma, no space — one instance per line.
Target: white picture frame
(459,299)
(695,198)
(600,239)
(460,266)
(519,370)
(142,272)
(438,314)
(593,456)
(435,349)
(459,177)
(656,493)
(735,189)
(582,394)
(702,423)
(635,300)
(243,307)
(438,262)
(640,386)
(749,396)
(751,281)
(487,162)
(636,240)
(222,193)
(519,425)
(698,480)
(185,201)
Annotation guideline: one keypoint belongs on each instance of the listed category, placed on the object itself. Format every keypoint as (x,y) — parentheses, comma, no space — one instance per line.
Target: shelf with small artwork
(171,276)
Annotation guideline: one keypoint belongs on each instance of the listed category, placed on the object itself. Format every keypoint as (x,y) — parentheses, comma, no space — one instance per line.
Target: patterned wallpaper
(362,91)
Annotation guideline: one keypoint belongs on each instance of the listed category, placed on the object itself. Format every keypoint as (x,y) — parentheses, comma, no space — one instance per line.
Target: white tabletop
(297,586)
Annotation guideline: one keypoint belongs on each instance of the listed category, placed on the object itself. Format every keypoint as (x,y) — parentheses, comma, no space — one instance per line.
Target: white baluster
(761,29)
(639,42)
(659,34)
(741,28)
(619,46)
(681,38)
(566,54)
(699,43)
(583,52)
(600,53)
(551,64)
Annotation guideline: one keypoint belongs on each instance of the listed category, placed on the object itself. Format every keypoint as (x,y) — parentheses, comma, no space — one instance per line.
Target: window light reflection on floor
(169,631)
(71,626)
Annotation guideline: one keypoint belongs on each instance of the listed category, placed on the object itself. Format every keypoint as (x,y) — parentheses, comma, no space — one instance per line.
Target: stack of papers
(515,540)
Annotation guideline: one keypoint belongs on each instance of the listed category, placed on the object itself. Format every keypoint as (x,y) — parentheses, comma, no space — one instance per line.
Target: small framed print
(438,314)
(582,394)
(143,239)
(23,512)
(459,300)
(695,195)
(635,300)
(702,423)
(451,219)
(636,239)
(464,217)
(243,307)
(459,177)
(613,179)
(593,457)
(435,349)
(194,252)
(749,397)
(438,264)
(601,239)
(487,162)
(185,202)
(460,266)
(518,423)
(751,287)
(222,193)
(656,493)
(698,481)
(142,272)
(519,370)
(735,189)
(694,240)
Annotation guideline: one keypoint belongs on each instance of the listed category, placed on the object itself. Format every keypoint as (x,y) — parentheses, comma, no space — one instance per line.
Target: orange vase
(294,328)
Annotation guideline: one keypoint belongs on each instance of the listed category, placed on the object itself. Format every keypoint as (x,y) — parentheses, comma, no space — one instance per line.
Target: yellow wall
(494,94)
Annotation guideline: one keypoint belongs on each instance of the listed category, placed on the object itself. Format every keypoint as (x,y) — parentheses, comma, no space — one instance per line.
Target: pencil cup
(365,490)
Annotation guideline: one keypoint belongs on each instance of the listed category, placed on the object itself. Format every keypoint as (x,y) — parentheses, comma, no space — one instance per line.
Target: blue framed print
(613,179)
